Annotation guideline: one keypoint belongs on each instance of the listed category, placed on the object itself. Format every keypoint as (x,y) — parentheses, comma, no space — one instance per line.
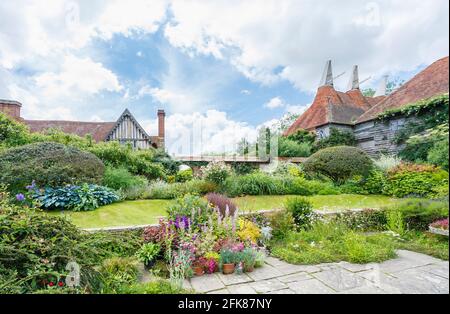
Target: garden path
(410,273)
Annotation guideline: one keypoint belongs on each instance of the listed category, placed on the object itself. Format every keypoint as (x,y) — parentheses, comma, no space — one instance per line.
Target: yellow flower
(248,231)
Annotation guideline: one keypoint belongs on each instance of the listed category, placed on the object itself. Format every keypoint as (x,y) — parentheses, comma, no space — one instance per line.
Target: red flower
(51,284)
(60,283)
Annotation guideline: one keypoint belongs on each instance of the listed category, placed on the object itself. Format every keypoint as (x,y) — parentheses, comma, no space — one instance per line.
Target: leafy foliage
(77,198)
(302,211)
(49,164)
(12,133)
(413,179)
(35,249)
(337,137)
(339,163)
(121,179)
(419,214)
(216,172)
(438,154)
(291,148)
(332,242)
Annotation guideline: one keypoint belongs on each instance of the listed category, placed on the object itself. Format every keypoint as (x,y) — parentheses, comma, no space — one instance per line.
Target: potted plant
(227,261)
(148,254)
(440,227)
(199,266)
(249,259)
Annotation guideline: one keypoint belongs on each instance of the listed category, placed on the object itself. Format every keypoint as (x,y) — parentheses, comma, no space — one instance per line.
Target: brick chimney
(161,128)
(11,108)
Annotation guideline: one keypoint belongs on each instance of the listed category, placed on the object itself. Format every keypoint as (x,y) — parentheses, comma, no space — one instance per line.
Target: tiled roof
(430,82)
(331,106)
(98,130)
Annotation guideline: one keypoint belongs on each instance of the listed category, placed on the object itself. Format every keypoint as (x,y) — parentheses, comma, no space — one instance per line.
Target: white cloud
(212,131)
(78,75)
(274,103)
(291,39)
(297,109)
(246,92)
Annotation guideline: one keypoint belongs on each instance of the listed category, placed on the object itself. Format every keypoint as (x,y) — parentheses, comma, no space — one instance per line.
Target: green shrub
(48,164)
(187,205)
(122,179)
(438,154)
(243,168)
(339,163)
(419,214)
(77,198)
(148,253)
(184,175)
(375,182)
(12,133)
(163,190)
(216,172)
(302,211)
(116,273)
(291,148)
(281,223)
(337,137)
(256,183)
(413,179)
(365,220)
(303,136)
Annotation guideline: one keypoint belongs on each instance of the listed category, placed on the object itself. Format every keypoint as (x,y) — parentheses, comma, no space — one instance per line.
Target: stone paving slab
(295,277)
(312,286)
(408,273)
(341,279)
(207,283)
(265,286)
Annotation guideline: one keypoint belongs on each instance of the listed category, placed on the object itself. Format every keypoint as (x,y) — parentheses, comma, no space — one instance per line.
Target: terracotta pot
(228,269)
(198,270)
(249,269)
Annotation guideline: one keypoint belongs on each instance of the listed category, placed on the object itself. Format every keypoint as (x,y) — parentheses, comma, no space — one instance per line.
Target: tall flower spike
(219,216)
(227,211)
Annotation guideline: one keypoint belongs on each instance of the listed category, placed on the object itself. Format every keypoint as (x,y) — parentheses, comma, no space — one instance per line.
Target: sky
(219,68)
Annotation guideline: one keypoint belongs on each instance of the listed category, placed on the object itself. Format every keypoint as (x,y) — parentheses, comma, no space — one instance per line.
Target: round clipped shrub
(216,172)
(339,163)
(48,164)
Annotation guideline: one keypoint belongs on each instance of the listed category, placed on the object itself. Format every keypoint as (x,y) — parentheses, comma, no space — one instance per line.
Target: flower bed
(199,237)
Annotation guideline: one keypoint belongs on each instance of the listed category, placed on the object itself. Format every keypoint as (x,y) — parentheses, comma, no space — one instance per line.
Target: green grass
(142,212)
(128,213)
(327,243)
(319,202)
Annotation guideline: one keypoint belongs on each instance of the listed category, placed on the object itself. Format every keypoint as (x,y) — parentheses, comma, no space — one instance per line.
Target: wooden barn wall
(376,137)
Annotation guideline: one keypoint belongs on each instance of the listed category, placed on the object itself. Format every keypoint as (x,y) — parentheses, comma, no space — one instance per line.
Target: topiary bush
(48,164)
(339,163)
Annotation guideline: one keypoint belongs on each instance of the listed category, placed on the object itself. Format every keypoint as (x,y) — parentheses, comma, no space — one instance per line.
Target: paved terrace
(409,273)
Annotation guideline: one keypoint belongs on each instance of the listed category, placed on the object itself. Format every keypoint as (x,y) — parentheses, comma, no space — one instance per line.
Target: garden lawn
(128,213)
(143,212)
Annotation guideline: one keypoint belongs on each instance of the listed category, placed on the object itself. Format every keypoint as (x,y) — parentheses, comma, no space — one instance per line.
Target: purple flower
(20,197)
(32,186)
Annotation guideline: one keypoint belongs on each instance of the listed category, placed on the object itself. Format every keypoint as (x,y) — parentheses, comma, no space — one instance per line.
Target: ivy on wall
(428,126)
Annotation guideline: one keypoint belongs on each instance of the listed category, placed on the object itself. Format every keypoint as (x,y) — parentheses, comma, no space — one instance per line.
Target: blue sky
(220,69)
